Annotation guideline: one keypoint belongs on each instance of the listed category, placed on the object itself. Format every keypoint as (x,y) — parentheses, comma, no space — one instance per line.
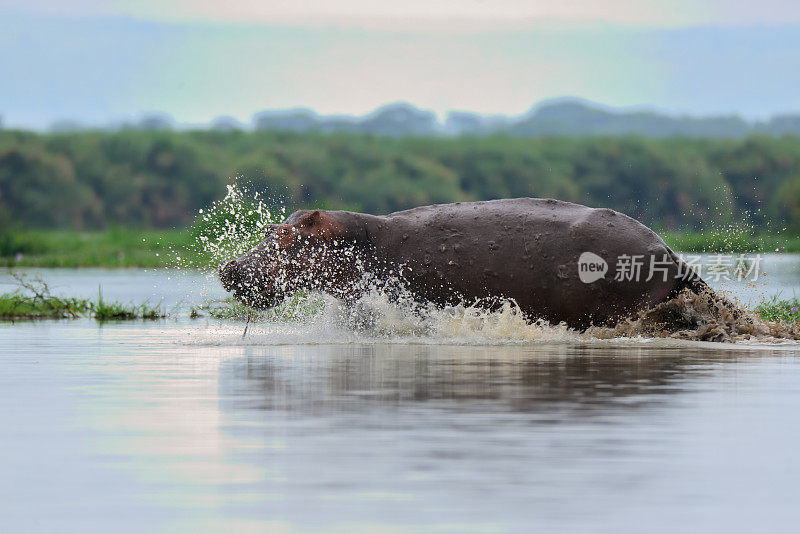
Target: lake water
(182,425)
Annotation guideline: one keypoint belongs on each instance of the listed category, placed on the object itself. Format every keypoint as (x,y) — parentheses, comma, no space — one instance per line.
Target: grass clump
(777,309)
(116,311)
(33,300)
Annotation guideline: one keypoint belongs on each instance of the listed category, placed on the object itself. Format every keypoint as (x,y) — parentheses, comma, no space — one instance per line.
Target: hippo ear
(320,225)
(310,219)
(309,224)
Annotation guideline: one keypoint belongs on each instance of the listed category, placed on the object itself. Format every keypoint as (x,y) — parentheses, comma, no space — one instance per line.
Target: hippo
(557,261)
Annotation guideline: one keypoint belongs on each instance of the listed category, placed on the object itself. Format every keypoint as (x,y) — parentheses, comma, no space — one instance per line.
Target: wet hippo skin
(524,249)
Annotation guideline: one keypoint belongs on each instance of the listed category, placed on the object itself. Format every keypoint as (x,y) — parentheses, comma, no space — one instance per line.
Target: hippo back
(529,250)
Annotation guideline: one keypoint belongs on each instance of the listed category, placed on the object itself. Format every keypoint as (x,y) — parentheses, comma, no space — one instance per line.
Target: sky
(101,61)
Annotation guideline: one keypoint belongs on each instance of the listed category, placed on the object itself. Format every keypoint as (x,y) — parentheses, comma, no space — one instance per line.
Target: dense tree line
(161,178)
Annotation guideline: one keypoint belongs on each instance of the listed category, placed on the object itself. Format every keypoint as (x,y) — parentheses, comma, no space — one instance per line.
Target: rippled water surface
(181,425)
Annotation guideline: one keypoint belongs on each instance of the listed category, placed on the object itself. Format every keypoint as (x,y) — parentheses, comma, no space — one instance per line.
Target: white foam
(375,318)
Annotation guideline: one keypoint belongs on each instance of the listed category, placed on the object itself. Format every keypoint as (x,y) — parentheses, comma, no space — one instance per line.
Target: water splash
(317,318)
(387,313)
(225,230)
(233,225)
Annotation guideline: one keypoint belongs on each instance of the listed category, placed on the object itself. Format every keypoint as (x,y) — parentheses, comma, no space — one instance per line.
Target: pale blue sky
(99,61)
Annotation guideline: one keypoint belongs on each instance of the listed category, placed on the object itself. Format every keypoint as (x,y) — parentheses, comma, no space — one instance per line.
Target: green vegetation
(110,248)
(776,309)
(20,306)
(105,198)
(33,300)
(730,242)
(116,311)
(160,179)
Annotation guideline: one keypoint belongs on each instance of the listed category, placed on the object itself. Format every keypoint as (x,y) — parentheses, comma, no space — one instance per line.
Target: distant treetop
(562,117)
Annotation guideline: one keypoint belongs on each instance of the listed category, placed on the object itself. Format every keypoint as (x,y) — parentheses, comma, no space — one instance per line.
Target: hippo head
(308,251)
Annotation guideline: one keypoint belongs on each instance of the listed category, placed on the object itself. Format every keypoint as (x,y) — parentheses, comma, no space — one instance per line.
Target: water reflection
(531,380)
(129,424)
(503,438)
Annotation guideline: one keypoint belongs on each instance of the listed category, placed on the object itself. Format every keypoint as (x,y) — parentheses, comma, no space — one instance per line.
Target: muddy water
(184,426)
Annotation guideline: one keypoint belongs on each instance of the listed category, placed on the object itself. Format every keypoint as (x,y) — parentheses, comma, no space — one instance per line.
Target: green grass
(33,300)
(730,242)
(776,309)
(119,247)
(116,311)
